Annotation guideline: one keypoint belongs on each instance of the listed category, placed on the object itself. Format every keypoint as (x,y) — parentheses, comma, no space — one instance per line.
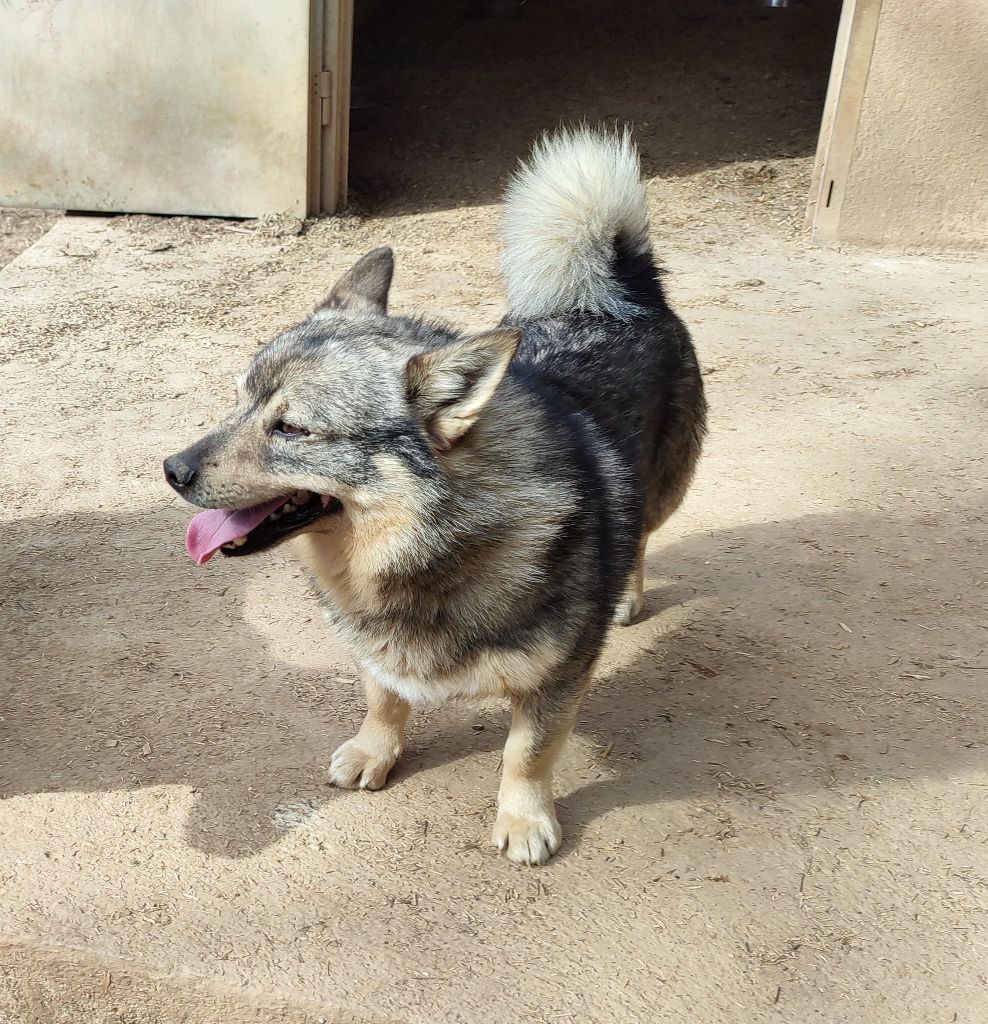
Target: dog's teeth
(301,497)
(289,506)
(228,547)
(276,514)
(239,542)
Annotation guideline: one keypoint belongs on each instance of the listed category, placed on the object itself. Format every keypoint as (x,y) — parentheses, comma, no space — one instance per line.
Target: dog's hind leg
(667,495)
(527,829)
(364,761)
(673,463)
(632,601)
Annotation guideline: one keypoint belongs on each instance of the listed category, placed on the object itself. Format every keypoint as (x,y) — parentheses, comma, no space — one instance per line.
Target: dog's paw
(629,608)
(356,765)
(527,840)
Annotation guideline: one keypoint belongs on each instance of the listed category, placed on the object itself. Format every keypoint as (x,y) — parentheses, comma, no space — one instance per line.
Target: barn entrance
(722,94)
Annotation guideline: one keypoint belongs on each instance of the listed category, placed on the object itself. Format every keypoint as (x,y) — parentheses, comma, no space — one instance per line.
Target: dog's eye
(289,429)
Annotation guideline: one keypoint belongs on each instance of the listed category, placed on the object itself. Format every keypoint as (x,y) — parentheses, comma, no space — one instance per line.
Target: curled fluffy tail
(576,229)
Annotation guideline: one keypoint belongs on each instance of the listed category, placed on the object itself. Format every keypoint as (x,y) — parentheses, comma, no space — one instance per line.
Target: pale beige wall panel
(906,163)
(160,106)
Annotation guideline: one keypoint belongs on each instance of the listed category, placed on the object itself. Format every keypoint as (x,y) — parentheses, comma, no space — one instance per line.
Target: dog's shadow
(768,656)
(779,658)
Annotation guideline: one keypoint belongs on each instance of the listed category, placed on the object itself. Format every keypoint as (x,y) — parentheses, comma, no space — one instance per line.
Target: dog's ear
(364,287)
(449,386)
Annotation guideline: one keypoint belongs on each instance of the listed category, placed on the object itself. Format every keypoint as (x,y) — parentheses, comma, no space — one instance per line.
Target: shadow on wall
(452,100)
(108,686)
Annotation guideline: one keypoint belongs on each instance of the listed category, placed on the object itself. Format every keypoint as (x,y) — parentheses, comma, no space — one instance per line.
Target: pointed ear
(449,386)
(364,287)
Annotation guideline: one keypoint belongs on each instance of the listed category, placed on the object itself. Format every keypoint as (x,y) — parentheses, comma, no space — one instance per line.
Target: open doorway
(449,93)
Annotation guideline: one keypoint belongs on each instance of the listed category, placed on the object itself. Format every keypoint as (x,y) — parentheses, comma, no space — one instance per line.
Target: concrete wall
(155,106)
(915,171)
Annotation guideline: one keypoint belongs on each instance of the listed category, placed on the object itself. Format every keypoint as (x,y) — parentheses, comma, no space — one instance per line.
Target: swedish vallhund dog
(474,509)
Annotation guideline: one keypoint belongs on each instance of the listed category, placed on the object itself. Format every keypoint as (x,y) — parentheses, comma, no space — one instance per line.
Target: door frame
(330,63)
(853,51)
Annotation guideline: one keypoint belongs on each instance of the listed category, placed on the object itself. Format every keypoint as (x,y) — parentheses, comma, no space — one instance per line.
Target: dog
(474,508)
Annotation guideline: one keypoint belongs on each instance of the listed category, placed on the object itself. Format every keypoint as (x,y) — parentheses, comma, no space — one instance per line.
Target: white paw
(527,840)
(355,766)
(628,609)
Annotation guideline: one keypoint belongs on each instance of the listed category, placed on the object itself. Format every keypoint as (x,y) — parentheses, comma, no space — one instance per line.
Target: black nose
(178,472)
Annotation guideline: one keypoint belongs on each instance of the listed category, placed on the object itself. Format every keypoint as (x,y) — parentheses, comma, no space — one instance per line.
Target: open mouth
(242,531)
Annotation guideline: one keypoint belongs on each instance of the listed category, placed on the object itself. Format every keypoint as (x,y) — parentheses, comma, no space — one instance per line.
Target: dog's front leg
(527,829)
(364,761)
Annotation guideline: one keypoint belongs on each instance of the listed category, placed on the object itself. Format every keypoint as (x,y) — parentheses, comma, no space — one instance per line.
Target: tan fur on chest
(491,673)
(417,670)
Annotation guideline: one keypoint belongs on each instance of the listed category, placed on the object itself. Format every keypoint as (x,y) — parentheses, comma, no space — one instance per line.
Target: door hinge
(324,90)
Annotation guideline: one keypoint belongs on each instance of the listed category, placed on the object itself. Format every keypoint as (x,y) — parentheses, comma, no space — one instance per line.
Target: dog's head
(347,412)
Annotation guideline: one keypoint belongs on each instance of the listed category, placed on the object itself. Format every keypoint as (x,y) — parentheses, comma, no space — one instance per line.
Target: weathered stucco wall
(144,106)
(918,172)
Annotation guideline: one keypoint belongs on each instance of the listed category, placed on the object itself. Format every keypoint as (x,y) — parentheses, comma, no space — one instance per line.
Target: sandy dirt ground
(21,228)
(775,802)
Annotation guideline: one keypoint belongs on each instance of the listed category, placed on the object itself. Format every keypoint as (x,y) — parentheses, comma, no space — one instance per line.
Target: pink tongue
(210,530)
